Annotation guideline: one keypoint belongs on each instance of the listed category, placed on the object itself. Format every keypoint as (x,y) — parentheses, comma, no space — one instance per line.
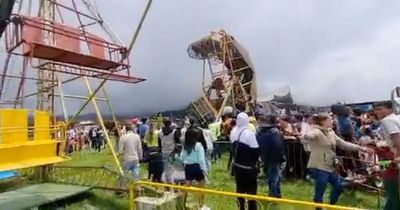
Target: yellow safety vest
(153,143)
(215,129)
(252,127)
(253,124)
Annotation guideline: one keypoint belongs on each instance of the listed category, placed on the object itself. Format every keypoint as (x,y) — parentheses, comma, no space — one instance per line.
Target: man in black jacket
(272,151)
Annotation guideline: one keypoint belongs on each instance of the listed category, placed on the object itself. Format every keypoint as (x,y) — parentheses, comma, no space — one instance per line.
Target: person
(143,127)
(345,127)
(151,138)
(187,123)
(155,163)
(293,149)
(99,140)
(81,140)
(215,129)
(372,120)
(131,151)
(306,126)
(253,124)
(117,135)
(92,136)
(390,125)
(357,124)
(123,130)
(204,138)
(289,131)
(272,152)
(71,136)
(193,158)
(167,147)
(201,139)
(104,137)
(322,142)
(209,141)
(228,123)
(245,154)
(367,136)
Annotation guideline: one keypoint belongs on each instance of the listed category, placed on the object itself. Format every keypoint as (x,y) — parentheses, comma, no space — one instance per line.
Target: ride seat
(17,150)
(68,45)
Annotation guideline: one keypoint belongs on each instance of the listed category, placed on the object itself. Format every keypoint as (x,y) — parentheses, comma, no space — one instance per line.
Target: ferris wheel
(49,44)
(228,76)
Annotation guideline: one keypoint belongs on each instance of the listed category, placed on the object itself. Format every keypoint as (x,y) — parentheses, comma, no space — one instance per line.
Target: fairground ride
(51,46)
(228,76)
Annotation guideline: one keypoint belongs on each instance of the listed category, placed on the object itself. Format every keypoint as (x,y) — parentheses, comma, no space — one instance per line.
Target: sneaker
(204,207)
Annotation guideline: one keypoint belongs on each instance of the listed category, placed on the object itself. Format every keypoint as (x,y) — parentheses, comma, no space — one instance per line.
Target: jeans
(274,175)
(134,168)
(322,178)
(391,194)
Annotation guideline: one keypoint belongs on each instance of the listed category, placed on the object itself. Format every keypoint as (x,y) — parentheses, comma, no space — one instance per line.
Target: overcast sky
(326,51)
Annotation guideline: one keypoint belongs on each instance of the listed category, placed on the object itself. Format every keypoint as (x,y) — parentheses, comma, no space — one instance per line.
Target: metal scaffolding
(228,76)
(62,52)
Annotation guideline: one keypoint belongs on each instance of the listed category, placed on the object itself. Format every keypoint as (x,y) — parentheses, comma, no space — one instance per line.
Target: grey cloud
(327,51)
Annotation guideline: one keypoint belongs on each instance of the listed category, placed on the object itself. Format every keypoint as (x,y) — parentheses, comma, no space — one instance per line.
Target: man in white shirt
(390,125)
(131,151)
(168,144)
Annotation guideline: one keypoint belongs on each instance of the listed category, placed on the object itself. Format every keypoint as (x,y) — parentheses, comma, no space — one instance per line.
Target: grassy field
(219,179)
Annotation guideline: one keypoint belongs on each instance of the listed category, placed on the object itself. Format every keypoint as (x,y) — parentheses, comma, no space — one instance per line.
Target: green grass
(219,180)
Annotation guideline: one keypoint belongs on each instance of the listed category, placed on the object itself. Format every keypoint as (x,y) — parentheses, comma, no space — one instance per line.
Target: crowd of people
(332,146)
(79,139)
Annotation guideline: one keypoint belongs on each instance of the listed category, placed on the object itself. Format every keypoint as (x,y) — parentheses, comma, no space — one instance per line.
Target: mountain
(93,117)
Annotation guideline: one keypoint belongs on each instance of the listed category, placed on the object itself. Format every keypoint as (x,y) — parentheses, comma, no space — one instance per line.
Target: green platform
(38,195)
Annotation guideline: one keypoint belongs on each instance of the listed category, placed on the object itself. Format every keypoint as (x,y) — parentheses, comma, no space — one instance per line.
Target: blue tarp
(7,174)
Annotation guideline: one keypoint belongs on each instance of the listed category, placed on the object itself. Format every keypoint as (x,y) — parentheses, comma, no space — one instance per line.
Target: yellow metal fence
(216,199)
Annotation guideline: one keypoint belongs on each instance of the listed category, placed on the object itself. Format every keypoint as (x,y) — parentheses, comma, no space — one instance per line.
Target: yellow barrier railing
(303,204)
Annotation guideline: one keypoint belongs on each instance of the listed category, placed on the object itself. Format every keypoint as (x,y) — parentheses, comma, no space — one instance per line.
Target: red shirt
(392,171)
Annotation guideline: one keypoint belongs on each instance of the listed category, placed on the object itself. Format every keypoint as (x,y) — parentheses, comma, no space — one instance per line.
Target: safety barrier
(227,201)
(296,159)
(100,177)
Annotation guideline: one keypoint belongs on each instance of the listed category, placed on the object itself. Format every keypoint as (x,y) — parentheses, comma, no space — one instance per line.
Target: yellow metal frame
(230,194)
(100,118)
(24,146)
(13,119)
